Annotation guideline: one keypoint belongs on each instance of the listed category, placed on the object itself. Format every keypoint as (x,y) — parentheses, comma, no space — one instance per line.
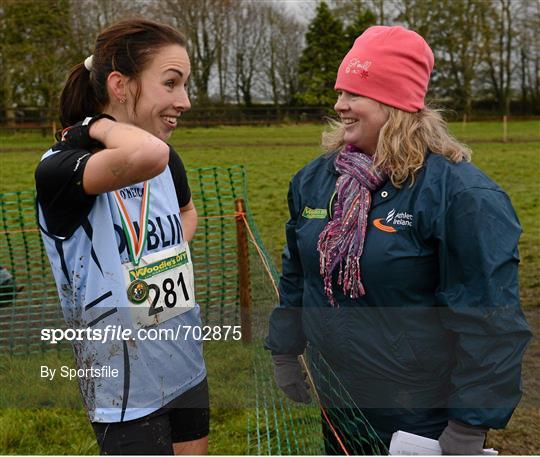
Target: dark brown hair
(127,47)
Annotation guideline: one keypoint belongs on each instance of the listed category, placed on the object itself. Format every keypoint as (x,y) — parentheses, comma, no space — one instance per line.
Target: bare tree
(419,15)
(534,66)
(205,23)
(285,43)
(223,53)
(498,41)
(248,43)
(527,20)
(89,17)
(458,48)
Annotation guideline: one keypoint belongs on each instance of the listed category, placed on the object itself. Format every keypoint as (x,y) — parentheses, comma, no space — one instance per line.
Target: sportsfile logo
(403,219)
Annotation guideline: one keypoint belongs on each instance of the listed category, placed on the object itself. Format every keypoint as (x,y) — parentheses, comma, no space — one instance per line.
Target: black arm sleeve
(60,193)
(178,172)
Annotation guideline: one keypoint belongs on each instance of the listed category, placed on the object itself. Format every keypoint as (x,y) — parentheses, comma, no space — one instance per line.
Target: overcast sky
(304,10)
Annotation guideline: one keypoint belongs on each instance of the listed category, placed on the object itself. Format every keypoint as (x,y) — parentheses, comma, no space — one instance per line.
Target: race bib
(161,286)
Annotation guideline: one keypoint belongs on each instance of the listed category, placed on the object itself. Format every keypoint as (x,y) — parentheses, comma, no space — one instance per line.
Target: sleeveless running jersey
(88,271)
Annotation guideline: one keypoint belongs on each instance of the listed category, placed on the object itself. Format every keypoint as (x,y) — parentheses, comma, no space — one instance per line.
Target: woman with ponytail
(400,273)
(114,206)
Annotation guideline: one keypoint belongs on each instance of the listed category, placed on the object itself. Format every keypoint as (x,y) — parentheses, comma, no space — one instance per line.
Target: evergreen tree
(364,19)
(325,48)
(35,54)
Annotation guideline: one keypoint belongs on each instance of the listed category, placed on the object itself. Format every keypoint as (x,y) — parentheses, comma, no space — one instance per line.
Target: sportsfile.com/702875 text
(117,333)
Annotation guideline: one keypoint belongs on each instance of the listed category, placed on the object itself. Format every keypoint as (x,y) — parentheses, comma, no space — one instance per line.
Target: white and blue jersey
(86,245)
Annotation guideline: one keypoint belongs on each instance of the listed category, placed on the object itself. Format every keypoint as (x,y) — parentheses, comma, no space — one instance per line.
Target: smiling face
(163,94)
(362,118)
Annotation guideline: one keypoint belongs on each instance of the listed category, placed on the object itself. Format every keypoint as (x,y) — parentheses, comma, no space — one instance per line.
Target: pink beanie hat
(389,64)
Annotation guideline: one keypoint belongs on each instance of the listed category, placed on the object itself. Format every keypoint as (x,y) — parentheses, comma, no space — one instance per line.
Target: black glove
(78,135)
(290,378)
(462,439)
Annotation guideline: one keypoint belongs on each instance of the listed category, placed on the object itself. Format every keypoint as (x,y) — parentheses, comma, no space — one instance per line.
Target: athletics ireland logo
(393,219)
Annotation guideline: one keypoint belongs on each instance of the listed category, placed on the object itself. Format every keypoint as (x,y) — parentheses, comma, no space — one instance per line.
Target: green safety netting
(275,425)
(278,426)
(29,300)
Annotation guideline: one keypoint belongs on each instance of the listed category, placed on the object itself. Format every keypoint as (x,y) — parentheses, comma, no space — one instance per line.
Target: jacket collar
(330,163)
(385,193)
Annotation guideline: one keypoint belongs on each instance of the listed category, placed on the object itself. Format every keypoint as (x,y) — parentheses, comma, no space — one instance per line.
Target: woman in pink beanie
(400,274)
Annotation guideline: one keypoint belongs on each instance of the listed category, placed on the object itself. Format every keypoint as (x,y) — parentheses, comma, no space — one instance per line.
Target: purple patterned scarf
(342,240)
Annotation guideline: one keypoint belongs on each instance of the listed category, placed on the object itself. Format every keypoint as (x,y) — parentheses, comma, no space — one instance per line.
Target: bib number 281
(170,297)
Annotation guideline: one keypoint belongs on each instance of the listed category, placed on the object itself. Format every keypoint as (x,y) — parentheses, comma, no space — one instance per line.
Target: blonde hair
(403,141)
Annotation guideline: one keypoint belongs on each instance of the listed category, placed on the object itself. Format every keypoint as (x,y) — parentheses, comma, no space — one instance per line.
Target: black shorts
(185,418)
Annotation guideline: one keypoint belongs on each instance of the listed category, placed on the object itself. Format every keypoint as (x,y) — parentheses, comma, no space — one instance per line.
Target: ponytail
(78,99)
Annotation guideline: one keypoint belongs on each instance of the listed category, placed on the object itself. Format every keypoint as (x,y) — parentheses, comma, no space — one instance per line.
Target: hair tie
(88,63)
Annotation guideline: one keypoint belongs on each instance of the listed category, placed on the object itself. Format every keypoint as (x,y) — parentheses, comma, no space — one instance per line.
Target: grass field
(271,156)
(43,417)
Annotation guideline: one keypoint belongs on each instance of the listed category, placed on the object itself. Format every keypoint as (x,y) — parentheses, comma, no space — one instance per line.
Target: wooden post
(505,128)
(243,271)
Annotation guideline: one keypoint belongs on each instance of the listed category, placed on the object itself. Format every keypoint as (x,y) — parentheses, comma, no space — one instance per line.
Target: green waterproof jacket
(440,333)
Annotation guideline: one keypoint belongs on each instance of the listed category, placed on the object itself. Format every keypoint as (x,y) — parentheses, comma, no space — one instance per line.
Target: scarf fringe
(342,240)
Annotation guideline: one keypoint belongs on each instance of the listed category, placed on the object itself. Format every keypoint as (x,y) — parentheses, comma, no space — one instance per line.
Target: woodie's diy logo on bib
(161,286)
(156,268)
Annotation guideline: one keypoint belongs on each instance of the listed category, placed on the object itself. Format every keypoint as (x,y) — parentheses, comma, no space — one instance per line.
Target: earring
(122,100)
